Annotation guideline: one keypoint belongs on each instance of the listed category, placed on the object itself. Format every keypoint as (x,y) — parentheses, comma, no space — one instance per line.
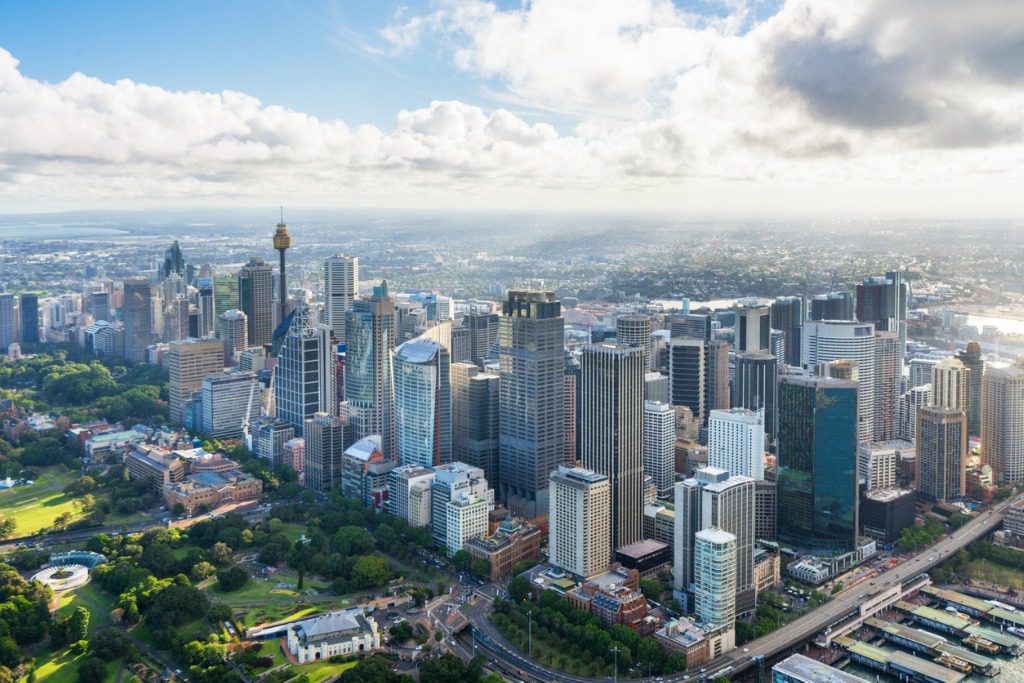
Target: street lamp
(615,650)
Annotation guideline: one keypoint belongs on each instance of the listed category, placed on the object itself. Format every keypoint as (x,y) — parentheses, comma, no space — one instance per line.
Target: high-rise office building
(531,363)
(755,387)
(656,387)
(466,519)
(174,262)
(975,364)
(883,302)
(788,315)
(635,330)
(611,430)
(270,438)
(305,382)
(920,371)
(580,521)
(832,306)
(369,370)
(293,456)
(137,314)
(364,473)
(176,319)
(205,305)
(483,335)
(736,442)
(753,326)
(831,340)
(452,481)
(888,376)
(8,327)
(188,363)
(29,307)
(941,472)
(570,408)
(910,401)
(817,463)
(716,569)
(325,448)
(256,299)
(409,493)
(234,332)
(341,288)
(225,296)
(716,376)
(659,445)
(423,403)
(98,305)
(1002,422)
(475,419)
(687,375)
(695,325)
(229,401)
(950,381)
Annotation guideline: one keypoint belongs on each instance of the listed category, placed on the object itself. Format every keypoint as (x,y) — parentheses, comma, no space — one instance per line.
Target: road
(804,628)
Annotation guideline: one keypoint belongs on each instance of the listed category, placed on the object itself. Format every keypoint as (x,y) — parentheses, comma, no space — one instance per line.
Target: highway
(804,628)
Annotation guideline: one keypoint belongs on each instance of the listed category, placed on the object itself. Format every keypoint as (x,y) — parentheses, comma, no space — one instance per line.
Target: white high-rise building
(423,403)
(341,287)
(878,463)
(949,384)
(452,481)
(409,493)
(736,442)
(715,570)
(824,341)
(660,445)
(233,331)
(1002,422)
(467,518)
(229,401)
(580,521)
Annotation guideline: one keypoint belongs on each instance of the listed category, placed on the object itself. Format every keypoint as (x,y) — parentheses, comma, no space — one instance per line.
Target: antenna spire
(282,214)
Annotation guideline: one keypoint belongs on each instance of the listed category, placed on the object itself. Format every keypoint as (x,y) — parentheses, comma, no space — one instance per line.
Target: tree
(160,559)
(518,588)
(651,589)
(401,632)
(461,559)
(92,670)
(374,669)
(353,540)
(481,568)
(370,571)
(202,570)
(220,554)
(232,578)
(7,526)
(78,625)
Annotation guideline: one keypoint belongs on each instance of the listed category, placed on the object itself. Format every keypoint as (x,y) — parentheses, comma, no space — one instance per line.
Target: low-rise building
(159,466)
(1013,519)
(211,490)
(341,633)
(615,597)
(647,557)
(767,570)
(660,522)
(100,446)
(514,541)
(886,512)
(801,669)
(809,571)
(214,463)
(682,636)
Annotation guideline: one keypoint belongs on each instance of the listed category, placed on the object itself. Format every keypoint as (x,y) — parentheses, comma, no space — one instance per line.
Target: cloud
(817,105)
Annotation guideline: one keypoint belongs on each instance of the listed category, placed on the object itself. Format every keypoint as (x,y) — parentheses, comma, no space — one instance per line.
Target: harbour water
(23,230)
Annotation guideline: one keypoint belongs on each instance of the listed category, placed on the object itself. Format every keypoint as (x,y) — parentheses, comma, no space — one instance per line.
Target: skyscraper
(8,328)
(753,326)
(817,463)
(29,306)
(920,371)
(832,306)
(532,367)
(888,375)
(611,430)
(736,442)
(282,241)
(188,363)
(225,297)
(206,306)
(475,419)
(696,325)
(174,262)
(659,445)
(788,315)
(941,444)
(341,287)
(950,381)
(635,330)
(234,332)
(830,340)
(883,302)
(716,568)
(483,334)
(324,437)
(409,493)
(256,299)
(755,387)
(580,521)
(570,408)
(305,382)
(369,370)
(137,314)
(906,417)
(687,375)
(229,400)
(1002,422)
(973,361)
(423,403)
(451,482)
(716,376)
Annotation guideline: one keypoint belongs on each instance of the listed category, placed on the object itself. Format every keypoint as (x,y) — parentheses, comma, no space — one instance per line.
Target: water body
(1004,325)
(55,231)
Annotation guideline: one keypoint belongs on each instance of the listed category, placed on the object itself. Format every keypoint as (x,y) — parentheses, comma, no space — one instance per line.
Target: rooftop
(887,495)
(812,671)
(641,549)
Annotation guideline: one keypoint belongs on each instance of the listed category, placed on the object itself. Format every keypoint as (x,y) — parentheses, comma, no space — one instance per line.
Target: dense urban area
(369,448)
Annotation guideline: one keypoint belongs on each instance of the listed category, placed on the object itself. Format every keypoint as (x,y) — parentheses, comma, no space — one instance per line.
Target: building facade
(580,521)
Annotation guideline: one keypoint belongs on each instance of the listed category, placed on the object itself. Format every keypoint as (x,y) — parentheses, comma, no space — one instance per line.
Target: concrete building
(1002,422)
(531,366)
(832,340)
(656,387)
(210,490)
(188,363)
(910,402)
(364,472)
(687,375)
(717,394)
(736,442)
(755,387)
(975,364)
(341,289)
(611,430)
(325,447)
(832,306)
(453,481)
(766,502)
(305,379)
(888,376)
(580,521)
(659,445)
(660,522)
(409,493)
(878,463)
(920,371)
(753,326)
(884,513)
(256,299)
(269,439)
(512,542)
(466,518)
(635,330)
(8,326)
(788,315)
(883,301)
(950,380)
(941,453)
(715,570)
(233,331)
(693,325)
(369,372)
(342,633)
(157,466)
(137,315)
(423,403)
(293,456)
(229,401)
(801,669)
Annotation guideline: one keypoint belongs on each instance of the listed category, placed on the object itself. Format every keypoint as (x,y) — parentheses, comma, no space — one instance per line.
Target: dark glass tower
(174,261)
(972,360)
(833,306)
(29,318)
(817,463)
(256,297)
(788,316)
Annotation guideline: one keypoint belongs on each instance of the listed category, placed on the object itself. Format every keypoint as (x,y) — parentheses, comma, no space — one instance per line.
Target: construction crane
(248,413)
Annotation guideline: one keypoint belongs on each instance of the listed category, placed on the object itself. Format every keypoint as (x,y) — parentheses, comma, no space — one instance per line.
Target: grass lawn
(984,570)
(293,531)
(35,507)
(274,613)
(321,671)
(62,667)
(272,648)
(93,598)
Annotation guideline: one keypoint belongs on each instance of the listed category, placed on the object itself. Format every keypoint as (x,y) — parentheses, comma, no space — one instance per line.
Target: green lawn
(984,570)
(274,613)
(35,507)
(273,649)
(321,671)
(61,667)
(93,598)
